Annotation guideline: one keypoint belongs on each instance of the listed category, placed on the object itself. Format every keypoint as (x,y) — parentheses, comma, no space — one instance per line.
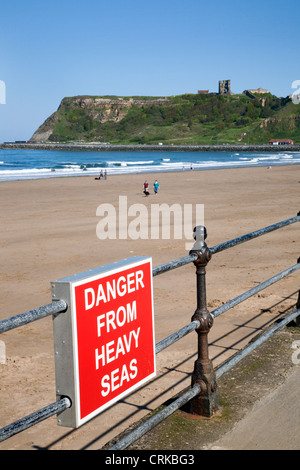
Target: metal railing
(203,391)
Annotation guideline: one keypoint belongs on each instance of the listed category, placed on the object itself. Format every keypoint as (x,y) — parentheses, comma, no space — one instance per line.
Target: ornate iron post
(206,403)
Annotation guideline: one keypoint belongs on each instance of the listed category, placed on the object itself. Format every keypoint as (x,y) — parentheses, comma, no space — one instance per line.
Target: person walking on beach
(155,186)
(146,188)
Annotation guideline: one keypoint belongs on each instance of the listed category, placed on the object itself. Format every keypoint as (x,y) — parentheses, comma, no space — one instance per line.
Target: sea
(28,164)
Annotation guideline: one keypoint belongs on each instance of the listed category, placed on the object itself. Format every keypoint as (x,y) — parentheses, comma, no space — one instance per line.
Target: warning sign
(113,335)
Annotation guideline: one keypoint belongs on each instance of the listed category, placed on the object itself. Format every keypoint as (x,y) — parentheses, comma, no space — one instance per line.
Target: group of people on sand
(146,187)
(146,184)
(102,175)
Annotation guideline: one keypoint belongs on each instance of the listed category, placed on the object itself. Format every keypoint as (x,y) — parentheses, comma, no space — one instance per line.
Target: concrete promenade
(273,423)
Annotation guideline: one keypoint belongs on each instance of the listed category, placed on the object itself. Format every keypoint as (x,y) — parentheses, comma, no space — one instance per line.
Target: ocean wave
(70,165)
(147,162)
(126,163)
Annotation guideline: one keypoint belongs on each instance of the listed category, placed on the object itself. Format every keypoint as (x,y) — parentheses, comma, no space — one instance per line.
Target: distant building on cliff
(203,92)
(281,142)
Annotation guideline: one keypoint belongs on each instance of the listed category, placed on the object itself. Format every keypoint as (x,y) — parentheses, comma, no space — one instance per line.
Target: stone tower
(224,87)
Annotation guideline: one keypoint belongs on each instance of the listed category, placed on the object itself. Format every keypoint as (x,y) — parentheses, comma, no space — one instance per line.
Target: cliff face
(95,109)
(192,119)
(44,132)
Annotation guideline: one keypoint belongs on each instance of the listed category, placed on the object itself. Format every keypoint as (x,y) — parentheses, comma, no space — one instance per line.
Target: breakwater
(167,148)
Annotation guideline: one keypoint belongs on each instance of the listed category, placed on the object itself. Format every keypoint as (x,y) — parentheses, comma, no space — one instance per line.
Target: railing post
(205,404)
(297,319)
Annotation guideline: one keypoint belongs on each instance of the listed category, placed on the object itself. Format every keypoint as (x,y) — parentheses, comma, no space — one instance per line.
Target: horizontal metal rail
(156,419)
(55,307)
(177,263)
(176,336)
(196,389)
(232,303)
(251,235)
(251,347)
(34,418)
(224,308)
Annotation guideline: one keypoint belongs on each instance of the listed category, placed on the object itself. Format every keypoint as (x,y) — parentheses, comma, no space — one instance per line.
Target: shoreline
(138,147)
(148,173)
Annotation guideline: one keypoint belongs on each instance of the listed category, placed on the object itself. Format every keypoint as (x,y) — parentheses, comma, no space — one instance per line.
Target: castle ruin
(224,87)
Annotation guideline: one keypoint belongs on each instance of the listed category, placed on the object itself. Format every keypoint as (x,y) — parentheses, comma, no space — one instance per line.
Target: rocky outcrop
(274,120)
(43,133)
(101,109)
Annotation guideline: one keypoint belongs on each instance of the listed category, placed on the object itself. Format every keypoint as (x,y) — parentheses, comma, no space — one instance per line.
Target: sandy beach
(48,231)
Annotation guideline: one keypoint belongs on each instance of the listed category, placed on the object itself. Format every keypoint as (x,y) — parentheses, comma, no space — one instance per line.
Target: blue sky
(52,49)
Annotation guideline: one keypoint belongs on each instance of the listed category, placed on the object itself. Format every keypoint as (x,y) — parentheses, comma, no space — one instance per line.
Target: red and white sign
(113,328)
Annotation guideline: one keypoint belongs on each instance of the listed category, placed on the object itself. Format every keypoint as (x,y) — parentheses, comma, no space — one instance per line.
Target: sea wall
(160,148)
